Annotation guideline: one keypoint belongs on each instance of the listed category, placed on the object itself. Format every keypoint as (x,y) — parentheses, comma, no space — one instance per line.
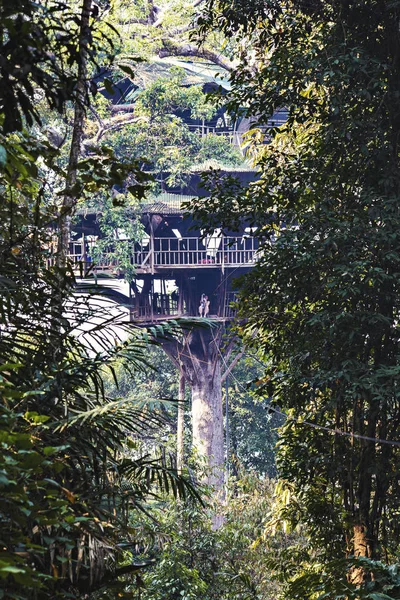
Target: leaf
(108,85)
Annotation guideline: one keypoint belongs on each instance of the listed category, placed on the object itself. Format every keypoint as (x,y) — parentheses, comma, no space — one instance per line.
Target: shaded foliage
(322,303)
(69,472)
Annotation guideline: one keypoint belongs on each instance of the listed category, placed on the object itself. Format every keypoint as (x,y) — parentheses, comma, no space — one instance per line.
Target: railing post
(151,246)
(223,254)
(84,257)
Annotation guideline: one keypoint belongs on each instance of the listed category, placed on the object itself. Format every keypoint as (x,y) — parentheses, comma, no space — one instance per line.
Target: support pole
(181,417)
(227,432)
(84,256)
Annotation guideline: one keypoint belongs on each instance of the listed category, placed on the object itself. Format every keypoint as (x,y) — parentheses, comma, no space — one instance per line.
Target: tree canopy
(322,302)
(320,309)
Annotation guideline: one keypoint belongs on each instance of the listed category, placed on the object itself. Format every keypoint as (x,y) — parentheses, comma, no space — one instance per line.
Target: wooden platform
(154,307)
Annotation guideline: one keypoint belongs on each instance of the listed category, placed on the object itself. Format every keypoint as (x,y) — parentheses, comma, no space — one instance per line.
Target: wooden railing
(173,252)
(192,251)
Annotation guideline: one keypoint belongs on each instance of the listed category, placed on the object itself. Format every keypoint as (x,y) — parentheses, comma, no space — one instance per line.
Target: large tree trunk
(358,575)
(208,430)
(198,359)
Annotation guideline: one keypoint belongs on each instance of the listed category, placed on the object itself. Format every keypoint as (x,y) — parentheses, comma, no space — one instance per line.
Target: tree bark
(70,196)
(181,419)
(198,357)
(171,49)
(114,124)
(358,575)
(208,433)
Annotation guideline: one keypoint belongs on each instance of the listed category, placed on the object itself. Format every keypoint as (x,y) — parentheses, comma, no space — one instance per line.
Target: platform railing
(171,252)
(192,251)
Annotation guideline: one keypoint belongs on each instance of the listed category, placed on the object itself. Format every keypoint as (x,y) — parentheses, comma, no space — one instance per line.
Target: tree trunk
(208,431)
(198,357)
(180,428)
(70,196)
(358,575)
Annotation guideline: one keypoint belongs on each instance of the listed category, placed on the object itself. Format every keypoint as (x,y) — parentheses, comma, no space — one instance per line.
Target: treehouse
(210,77)
(174,263)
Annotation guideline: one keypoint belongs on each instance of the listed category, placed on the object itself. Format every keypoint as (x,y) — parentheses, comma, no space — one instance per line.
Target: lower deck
(153,300)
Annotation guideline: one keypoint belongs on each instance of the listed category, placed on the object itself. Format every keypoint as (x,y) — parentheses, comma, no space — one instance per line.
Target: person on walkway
(206,306)
(202,305)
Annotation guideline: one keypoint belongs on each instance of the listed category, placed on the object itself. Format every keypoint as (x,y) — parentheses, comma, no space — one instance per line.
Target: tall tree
(323,301)
(68,474)
(85,38)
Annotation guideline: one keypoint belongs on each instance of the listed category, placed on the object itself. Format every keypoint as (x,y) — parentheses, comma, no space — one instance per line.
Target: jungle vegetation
(91,502)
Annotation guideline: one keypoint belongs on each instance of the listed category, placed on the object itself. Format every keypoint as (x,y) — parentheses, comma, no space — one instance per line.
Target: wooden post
(180,428)
(151,245)
(180,295)
(84,256)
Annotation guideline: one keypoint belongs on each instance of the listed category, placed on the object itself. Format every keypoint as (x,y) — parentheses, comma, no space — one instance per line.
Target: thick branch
(114,124)
(97,116)
(183,29)
(122,107)
(231,366)
(192,50)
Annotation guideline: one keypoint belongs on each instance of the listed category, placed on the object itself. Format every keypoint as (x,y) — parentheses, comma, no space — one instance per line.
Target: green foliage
(30,38)
(168,95)
(161,135)
(69,479)
(120,226)
(330,581)
(196,562)
(253,430)
(322,303)
(218,148)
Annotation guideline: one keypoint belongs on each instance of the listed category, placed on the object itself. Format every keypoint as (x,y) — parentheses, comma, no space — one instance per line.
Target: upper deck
(157,255)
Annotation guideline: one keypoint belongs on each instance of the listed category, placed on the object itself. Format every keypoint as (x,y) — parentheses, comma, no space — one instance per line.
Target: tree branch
(114,124)
(231,366)
(170,49)
(183,29)
(122,107)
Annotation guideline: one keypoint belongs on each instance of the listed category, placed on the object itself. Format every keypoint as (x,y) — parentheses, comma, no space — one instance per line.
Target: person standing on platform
(202,305)
(206,306)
